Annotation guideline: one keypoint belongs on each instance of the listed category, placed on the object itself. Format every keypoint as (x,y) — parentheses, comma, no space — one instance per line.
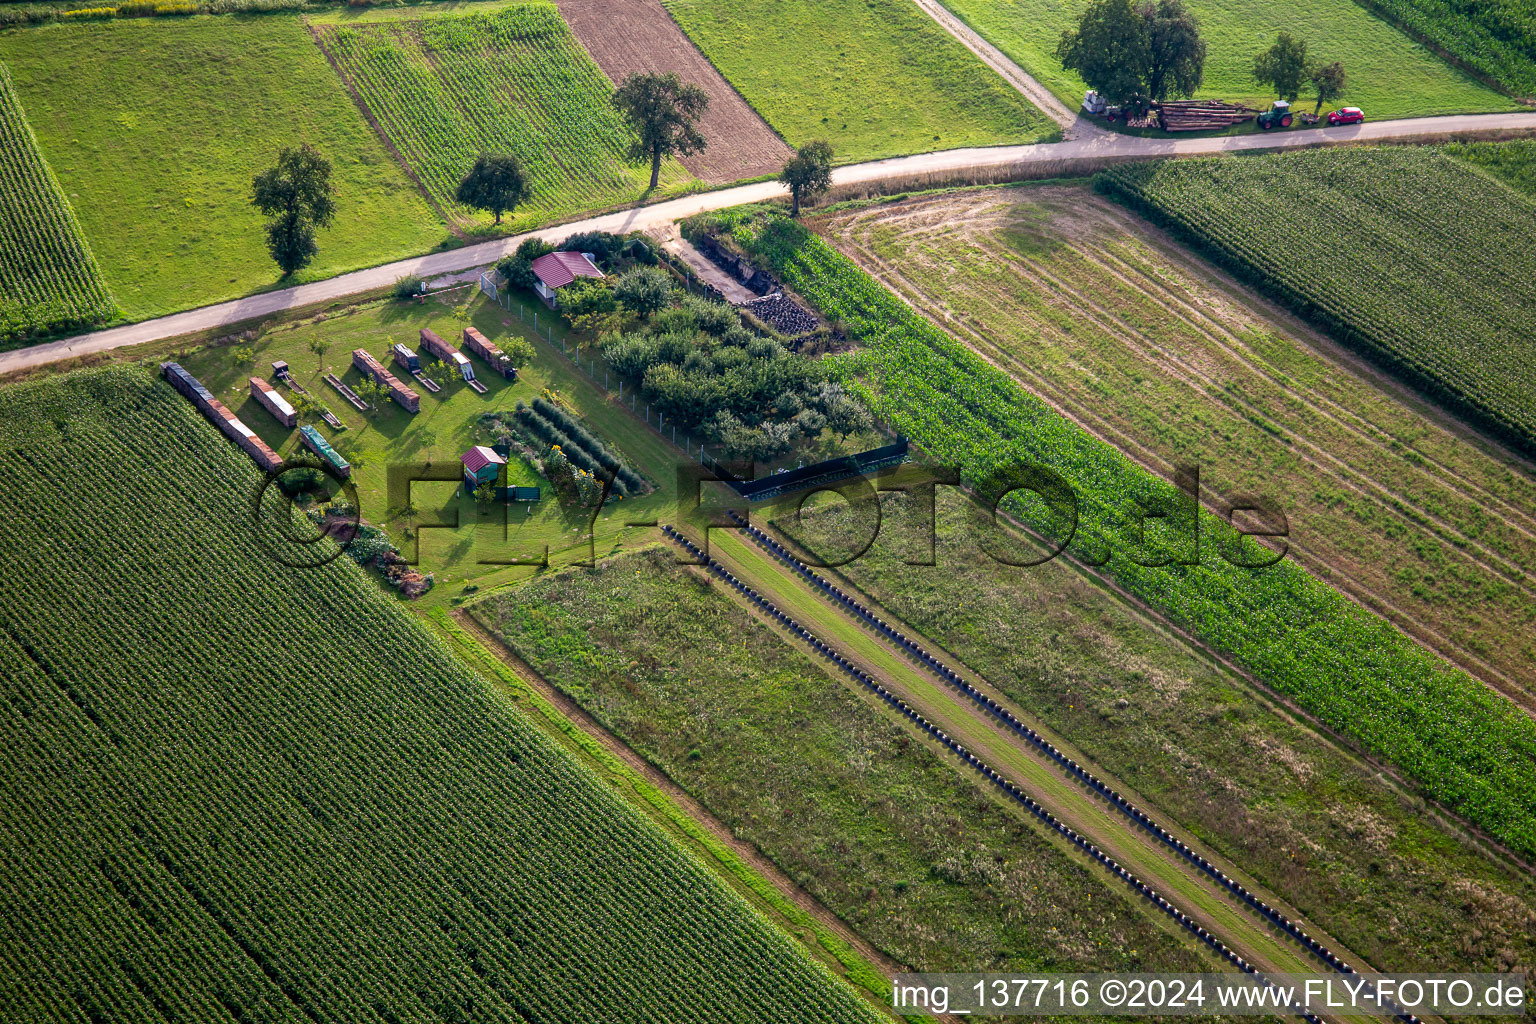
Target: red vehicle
(1347,115)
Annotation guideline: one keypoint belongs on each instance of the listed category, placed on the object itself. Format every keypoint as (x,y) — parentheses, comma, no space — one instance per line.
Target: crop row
(49,280)
(1493,38)
(1413,258)
(585,451)
(1354,671)
(302,807)
(594,446)
(446,88)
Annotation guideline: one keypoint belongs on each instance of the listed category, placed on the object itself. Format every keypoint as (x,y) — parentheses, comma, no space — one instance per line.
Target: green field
(1356,673)
(1421,263)
(48,277)
(1316,825)
(1102,316)
(155,127)
(1495,39)
(1513,163)
(303,808)
(876,78)
(1389,74)
(446,87)
(878,827)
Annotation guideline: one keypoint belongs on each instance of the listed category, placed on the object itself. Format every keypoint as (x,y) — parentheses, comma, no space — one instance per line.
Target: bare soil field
(1161,355)
(625,36)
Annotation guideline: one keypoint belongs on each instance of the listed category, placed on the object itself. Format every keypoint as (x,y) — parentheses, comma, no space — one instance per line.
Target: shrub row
(1466,747)
(554,426)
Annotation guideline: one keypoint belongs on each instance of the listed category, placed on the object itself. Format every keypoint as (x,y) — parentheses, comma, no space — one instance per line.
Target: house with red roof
(555,270)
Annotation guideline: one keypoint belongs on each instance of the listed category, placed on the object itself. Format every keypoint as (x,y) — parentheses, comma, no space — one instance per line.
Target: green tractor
(1277,116)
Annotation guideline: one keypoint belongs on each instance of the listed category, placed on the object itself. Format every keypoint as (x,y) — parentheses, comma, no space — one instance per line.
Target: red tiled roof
(478,457)
(558,269)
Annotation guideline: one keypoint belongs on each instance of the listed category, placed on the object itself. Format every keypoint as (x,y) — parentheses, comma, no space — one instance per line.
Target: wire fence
(594,366)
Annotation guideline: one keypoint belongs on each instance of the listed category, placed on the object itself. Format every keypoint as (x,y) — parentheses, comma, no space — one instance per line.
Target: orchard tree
(496,184)
(1125,50)
(1328,80)
(808,173)
(644,291)
(297,195)
(664,112)
(1283,67)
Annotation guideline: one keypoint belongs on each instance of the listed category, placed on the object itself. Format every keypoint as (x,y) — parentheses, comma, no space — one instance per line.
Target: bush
(518,268)
(408,286)
(586,296)
(603,245)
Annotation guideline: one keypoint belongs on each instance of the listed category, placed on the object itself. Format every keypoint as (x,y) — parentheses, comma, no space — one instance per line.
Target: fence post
(535,321)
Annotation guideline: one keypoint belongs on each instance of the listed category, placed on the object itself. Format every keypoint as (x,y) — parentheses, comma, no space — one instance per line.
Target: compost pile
(783,314)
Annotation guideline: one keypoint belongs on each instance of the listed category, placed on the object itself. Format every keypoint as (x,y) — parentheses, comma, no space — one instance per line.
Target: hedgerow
(1463,745)
(554,427)
(1409,256)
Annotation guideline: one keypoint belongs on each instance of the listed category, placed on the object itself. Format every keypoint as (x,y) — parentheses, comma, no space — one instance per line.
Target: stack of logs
(1201,115)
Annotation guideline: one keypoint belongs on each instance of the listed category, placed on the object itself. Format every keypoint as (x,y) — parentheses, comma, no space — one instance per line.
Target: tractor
(1277,116)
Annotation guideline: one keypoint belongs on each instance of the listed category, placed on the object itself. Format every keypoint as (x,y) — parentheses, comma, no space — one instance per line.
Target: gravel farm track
(626,36)
(998,163)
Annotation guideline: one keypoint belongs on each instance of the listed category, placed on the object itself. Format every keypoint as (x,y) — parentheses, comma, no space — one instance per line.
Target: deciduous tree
(1328,80)
(297,194)
(1175,51)
(664,112)
(1283,67)
(1127,51)
(496,184)
(808,173)
(644,290)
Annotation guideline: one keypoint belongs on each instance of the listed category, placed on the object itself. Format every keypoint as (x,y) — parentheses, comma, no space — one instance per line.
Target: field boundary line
(378,130)
(1272,699)
(997,779)
(1022,81)
(685,804)
(911,651)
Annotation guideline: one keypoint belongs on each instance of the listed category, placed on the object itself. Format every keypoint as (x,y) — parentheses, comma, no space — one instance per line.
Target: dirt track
(625,36)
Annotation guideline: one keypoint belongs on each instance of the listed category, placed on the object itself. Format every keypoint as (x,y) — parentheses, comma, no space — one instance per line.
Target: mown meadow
(876,78)
(1464,745)
(1390,75)
(1409,255)
(154,128)
(49,280)
(304,808)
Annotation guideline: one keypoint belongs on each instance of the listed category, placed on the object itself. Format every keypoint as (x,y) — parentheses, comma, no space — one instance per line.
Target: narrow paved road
(1085,150)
